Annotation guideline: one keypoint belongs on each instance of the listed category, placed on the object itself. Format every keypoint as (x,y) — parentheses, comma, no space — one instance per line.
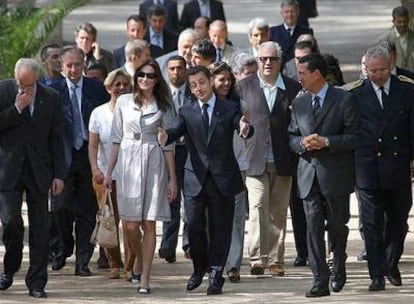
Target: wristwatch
(326,142)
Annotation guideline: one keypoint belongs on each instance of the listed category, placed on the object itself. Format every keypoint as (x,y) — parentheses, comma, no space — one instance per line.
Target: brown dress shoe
(276,270)
(234,275)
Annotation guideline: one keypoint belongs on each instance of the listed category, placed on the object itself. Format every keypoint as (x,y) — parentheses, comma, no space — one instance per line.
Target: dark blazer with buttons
(385,145)
(191,11)
(286,41)
(170,40)
(209,153)
(119,54)
(170,6)
(333,166)
(37,139)
(269,124)
(93,95)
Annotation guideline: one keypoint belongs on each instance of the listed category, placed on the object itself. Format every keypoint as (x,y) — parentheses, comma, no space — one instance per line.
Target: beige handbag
(105,233)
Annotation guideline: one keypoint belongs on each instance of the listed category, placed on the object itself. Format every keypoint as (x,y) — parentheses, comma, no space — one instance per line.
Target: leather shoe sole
(37,293)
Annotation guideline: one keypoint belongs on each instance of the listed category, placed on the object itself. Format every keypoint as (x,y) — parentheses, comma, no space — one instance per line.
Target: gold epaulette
(353,85)
(405,79)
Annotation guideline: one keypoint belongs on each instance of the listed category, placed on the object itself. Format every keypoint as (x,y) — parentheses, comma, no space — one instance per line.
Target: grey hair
(240,60)
(259,23)
(271,44)
(188,32)
(377,52)
(135,47)
(28,64)
(289,3)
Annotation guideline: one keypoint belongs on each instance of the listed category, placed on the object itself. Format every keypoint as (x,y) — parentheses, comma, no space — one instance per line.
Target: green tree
(26,28)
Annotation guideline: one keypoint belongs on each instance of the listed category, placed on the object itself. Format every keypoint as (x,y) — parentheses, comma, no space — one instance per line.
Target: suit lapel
(305,103)
(215,117)
(327,104)
(198,121)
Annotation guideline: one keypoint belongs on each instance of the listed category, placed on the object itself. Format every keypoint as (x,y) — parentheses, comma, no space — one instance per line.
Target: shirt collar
(211,102)
(321,93)
(152,32)
(292,28)
(386,86)
(70,84)
(279,83)
(398,34)
(181,89)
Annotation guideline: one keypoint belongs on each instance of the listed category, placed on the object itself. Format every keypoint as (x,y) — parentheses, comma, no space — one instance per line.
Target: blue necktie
(218,54)
(205,117)
(76,120)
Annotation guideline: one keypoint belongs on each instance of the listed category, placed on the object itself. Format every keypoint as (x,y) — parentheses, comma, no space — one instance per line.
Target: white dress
(142,173)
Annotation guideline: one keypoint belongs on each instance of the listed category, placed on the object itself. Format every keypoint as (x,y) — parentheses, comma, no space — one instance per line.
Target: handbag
(105,232)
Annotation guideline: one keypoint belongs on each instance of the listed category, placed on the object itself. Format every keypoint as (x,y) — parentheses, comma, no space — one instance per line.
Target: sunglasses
(148,75)
(272,59)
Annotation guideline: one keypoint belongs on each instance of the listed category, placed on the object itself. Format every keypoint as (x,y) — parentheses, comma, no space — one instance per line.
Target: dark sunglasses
(148,75)
(265,59)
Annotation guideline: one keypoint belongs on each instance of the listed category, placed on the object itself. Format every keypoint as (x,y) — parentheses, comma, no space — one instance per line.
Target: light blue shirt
(211,103)
(204,8)
(156,38)
(321,94)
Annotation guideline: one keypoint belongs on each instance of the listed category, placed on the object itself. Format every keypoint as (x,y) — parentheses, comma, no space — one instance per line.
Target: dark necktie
(316,106)
(205,117)
(218,54)
(289,30)
(384,98)
(76,120)
(177,99)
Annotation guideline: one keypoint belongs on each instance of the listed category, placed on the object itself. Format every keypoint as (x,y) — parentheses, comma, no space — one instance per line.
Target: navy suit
(286,41)
(170,6)
(77,202)
(382,165)
(119,54)
(191,11)
(211,181)
(31,155)
(170,40)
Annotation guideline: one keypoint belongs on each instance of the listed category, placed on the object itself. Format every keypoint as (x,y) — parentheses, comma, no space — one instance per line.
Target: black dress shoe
(59,261)
(167,254)
(82,271)
(5,281)
(299,261)
(37,293)
(338,282)
(215,286)
(194,281)
(377,284)
(234,275)
(317,291)
(394,276)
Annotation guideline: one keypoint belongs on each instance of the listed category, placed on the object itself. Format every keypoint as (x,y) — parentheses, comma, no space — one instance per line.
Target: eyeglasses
(148,75)
(272,59)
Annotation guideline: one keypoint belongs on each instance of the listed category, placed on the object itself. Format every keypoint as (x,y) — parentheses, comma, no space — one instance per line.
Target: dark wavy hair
(160,89)
(218,67)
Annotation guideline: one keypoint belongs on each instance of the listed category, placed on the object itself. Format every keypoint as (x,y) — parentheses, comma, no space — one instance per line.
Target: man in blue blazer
(288,32)
(382,164)
(211,175)
(79,96)
(31,160)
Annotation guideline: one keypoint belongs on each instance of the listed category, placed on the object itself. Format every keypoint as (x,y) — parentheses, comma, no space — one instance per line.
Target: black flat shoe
(377,284)
(5,281)
(394,277)
(59,261)
(316,292)
(83,271)
(299,261)
(37,293)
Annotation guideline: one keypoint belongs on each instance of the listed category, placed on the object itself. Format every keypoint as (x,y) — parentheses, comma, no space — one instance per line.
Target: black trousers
(298,221)
(171,229)
(384,215)
(335,211)
(77,203)
(210,206)
(13,229)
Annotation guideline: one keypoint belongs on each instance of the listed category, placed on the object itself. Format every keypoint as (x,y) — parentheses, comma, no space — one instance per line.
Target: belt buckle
(137,136)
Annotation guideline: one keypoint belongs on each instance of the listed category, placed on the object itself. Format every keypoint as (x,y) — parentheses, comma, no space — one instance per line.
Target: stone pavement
(344,28)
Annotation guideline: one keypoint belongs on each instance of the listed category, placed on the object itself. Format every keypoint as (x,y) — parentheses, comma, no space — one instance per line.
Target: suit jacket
(170,41)
(404,59)
(170,6)
(209,153)
(37,139)
(106,59)
(385,145)
(228,52)
(191,11)
(404,72)
(333,166)
(93,95)
(286,41)
(119,54)
(270,126)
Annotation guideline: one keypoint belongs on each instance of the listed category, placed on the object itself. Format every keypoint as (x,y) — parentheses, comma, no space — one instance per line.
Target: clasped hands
(314,142)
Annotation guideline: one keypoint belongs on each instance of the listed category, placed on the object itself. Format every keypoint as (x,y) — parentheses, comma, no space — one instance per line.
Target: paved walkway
(344,28)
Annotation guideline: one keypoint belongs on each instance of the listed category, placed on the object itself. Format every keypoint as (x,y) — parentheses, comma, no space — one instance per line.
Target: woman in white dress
(146,181)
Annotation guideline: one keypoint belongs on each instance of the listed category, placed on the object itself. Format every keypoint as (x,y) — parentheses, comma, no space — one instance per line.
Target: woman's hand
(107,183)
(98,176)
(172,190)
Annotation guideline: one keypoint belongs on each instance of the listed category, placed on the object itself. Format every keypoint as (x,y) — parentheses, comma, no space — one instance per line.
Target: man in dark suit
(323,132)
(382,163)
(170,6)
(271,164)
(211,175)
(136,29)
(157,33)
(307,9)
(193,9)
(288,32)
(31,161)
(181,95)
(79,96)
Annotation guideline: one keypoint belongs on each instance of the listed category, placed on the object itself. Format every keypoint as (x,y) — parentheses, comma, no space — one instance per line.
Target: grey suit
(326,177)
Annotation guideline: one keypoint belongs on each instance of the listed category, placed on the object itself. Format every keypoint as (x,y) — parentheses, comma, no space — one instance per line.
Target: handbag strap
(108,201)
